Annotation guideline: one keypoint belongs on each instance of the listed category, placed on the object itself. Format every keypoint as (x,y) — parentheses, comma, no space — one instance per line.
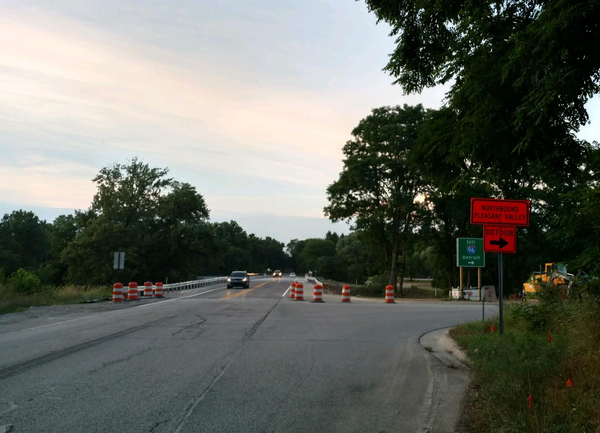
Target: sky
(250,101)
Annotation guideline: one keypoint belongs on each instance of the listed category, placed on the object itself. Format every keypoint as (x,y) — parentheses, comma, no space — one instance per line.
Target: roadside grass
(415,289)
(508,368)
(420,289)
(12,302)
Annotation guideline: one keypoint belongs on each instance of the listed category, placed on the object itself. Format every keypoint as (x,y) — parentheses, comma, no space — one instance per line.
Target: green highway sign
(469,253)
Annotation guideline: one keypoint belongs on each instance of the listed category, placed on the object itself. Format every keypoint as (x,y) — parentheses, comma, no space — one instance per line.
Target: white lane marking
(57,323)
(288,289)
(177,299)
(139,306)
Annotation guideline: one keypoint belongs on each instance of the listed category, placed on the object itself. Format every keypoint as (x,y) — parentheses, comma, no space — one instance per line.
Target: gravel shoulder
(67,311)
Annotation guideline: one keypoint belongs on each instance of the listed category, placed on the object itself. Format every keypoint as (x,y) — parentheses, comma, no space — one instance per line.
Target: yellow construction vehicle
(554,275)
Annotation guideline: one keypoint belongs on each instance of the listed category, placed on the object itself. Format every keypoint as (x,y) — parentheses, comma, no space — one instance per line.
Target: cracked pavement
(209,361)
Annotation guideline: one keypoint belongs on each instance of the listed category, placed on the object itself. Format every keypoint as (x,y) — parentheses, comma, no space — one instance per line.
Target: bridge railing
(313,280)
(196,284)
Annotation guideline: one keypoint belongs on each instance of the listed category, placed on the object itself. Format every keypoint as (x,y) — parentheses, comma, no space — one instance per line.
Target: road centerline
(245,292)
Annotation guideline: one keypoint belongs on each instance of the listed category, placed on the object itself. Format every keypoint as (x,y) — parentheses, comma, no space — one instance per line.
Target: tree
(545,52)
(23,241)
(266,253)
(159,223)
(379,183)
(315,249)
(575,222)
(333,237)
(129,193)
(294,249)
(353,253)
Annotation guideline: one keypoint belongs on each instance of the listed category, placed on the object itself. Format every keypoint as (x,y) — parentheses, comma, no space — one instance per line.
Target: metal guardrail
(313,280)
(196,284)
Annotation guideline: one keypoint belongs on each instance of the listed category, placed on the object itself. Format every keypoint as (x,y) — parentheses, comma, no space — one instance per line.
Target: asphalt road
(218,360)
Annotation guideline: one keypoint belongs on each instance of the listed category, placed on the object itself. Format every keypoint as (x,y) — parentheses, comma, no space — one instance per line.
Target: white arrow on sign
(471,263)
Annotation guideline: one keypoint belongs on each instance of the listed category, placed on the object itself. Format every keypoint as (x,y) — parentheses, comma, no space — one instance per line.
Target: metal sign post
(481,295)
(501,285)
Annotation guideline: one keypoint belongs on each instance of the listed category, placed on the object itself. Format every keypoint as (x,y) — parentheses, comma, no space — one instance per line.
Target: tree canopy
(520,74)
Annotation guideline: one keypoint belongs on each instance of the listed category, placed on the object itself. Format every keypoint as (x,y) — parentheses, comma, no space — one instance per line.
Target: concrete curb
(444,348)
(451,347)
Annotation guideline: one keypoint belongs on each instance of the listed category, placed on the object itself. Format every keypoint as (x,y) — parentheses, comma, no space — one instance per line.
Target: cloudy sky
(251,101)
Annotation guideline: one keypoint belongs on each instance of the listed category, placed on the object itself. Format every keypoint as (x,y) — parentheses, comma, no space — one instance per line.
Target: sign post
(482,299)
(499,218)
(501,290)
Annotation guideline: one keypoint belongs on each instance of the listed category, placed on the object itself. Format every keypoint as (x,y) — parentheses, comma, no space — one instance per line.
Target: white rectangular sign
(119,261)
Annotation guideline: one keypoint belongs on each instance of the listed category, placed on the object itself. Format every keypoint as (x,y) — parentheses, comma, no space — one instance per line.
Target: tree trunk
(394,270)
(402,268)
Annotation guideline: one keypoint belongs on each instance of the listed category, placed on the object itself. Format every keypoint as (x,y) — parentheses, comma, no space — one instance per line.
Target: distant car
(292,275)
(238,279)
(277,274)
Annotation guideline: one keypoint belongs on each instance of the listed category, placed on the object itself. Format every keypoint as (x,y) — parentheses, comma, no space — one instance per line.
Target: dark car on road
(238,279)
(277,273)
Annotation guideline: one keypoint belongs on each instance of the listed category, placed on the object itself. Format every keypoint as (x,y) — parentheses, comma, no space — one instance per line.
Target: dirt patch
(466,416)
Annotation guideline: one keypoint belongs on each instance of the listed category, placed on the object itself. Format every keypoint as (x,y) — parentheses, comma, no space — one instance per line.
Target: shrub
(379,282)
(534,316)
(25,283)
(47,273)
(523,361)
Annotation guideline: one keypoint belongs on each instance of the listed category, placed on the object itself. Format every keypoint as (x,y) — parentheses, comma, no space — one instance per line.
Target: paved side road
(230,361)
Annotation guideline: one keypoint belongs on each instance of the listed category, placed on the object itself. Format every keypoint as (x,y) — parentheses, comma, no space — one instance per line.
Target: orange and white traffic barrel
(147,289)
(299,292)
(117,295)
(389,294)
(158,290)
(132,292)
(345,293)
(318,293)
(293,290)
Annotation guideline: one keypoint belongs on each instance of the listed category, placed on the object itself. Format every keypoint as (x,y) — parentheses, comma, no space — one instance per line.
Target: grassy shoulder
(413,289)
(11,301)
(543,347)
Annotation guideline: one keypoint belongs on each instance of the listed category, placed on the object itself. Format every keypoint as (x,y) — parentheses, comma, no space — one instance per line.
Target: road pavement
(238,360)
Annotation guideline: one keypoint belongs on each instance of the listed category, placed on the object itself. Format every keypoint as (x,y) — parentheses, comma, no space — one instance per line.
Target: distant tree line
(162,226)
